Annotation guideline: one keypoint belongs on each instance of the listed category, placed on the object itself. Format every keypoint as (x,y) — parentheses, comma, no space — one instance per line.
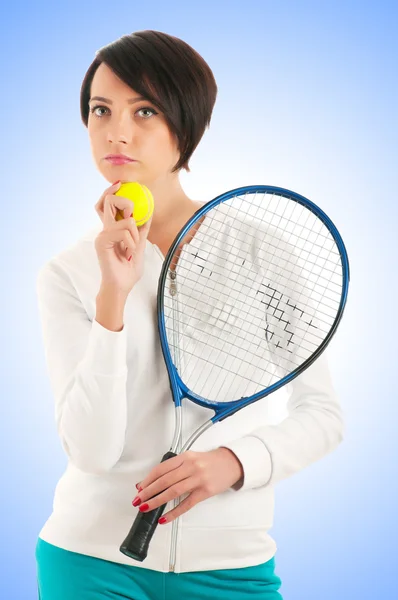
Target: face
(130,125)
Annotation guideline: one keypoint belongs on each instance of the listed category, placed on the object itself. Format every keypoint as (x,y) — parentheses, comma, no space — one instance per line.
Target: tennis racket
(250,293)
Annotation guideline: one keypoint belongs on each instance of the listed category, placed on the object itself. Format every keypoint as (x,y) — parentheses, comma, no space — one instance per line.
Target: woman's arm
(268,454)
(87,369)
(313,428)
(110,308)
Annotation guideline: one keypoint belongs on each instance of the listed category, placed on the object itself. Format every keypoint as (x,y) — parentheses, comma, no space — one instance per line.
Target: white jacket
(115,417)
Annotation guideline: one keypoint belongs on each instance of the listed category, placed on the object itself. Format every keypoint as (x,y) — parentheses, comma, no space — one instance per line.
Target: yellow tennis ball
(142,199)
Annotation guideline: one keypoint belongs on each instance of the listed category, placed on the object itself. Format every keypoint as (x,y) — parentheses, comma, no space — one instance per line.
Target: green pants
(64,575)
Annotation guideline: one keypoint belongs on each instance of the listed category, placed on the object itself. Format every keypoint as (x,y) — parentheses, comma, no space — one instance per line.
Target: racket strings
(248,364)
(266,330)
(252,319)
(329,316)
(327,320)
(191,280)
(322,268)
(325,268)
(227,340)
(200,234)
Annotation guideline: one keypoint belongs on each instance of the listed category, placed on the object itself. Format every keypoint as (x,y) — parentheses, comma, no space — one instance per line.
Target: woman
(149,96)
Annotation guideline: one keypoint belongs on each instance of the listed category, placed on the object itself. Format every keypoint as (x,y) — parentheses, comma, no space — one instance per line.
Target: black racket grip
(138,539)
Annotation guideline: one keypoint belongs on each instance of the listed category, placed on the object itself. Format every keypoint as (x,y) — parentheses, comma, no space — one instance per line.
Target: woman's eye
(95,108)
(147,109)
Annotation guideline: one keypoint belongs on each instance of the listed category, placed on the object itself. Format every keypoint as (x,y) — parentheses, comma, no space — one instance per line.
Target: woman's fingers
(99,206)
(171,478)
(110,206)
(109,238)
(187,485)
(107,207)
(117,203)
(143,233)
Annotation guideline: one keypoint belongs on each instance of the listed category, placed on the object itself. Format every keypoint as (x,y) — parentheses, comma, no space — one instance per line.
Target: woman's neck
(172,210)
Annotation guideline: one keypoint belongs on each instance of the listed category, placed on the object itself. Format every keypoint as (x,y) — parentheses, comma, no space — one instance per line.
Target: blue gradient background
(307,101)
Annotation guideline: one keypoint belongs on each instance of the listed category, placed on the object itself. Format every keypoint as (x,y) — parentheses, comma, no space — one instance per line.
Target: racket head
(257,201)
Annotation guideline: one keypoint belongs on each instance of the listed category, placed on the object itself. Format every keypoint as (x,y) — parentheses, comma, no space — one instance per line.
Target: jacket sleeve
(313,428)
(88,371)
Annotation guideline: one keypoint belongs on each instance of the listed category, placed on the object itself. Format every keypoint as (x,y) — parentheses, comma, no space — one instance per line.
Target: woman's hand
(201,474)
(120,245)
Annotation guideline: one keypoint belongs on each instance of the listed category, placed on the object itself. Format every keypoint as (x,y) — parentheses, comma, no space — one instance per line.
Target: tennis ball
(142,199)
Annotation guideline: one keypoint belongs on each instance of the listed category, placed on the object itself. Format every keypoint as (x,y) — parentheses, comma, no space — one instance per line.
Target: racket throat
(174,529)
(177,449)
(177,430)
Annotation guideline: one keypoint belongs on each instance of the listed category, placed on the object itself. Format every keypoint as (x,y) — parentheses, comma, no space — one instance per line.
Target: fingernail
(136,501)
(118,181)
(162,520)
(144,507)
(129,260)
(139,488)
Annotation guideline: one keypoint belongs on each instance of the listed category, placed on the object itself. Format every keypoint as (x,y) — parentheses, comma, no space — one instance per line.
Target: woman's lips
(119,161)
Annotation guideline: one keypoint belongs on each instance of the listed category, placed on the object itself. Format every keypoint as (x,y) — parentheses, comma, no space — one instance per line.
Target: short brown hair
(169,73)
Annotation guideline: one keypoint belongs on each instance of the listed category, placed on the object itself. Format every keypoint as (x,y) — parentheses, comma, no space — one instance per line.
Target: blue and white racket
(250,294)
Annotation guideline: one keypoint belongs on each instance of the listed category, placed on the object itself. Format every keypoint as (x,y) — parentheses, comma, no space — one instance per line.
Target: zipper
(176,502)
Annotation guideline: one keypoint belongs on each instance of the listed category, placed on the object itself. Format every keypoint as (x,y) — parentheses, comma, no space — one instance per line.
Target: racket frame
(178,387)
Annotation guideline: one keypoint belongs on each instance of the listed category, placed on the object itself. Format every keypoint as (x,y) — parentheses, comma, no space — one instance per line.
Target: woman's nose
(121,129)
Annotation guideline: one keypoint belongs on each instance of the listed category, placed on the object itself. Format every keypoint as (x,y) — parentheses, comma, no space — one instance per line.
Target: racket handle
(138,539)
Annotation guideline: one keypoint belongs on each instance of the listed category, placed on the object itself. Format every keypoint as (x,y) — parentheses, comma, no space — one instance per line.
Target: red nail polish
(162,520)
(136,501)
(116,182)
(144,507)
(129,260)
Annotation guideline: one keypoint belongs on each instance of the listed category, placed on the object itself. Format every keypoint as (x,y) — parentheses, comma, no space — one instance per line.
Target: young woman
(146,100)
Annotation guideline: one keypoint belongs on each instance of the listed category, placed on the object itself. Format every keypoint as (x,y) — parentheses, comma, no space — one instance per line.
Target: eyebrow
(129,101)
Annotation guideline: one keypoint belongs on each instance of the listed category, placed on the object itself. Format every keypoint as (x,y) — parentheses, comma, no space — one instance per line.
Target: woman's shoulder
(75,262)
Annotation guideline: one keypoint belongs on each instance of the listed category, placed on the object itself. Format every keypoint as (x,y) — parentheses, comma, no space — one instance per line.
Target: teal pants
(64,575)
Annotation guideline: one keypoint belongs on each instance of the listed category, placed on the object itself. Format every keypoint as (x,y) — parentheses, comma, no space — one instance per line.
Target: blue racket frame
(178,387)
